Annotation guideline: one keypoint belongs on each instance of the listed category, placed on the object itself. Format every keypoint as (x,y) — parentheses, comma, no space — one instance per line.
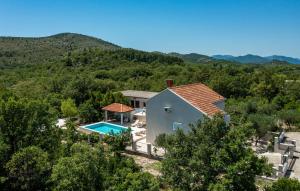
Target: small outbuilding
(117,108)
(138,99)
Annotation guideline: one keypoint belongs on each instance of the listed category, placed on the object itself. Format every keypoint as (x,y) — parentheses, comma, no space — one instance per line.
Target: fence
(146,149)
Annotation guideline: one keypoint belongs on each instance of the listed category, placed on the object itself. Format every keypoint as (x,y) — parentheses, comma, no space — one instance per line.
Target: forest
(63,79)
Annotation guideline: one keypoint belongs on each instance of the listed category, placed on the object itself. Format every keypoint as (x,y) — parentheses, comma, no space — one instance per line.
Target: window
(132,103)
(137,104)
(144,104)
(168,109)
(177,125)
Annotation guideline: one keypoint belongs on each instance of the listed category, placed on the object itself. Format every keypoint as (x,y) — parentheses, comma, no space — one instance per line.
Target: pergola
(117,108)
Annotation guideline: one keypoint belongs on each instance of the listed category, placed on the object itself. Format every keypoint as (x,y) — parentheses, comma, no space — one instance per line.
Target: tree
(25,122)
(28,169)
(4,157)
(88,113)
(160,140)
(262,124)
(210,157)
(69,108)
(71,136)
(289,117)
(80,171)
(71,133)
(109,98)
(124,174)
(4,148)
(117,143)
(137,181)
(285,184)
(80,88)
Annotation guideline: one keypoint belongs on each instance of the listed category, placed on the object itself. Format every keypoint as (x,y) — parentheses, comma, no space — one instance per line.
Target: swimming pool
(105,128)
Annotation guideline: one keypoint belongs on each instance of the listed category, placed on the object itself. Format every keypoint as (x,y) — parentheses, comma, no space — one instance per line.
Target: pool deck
(84,128)
(138,135)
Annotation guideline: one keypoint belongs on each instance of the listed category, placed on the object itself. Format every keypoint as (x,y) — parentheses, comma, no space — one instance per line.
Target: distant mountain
(284,58)
(223,57)
(192,57)
(16,51)
(246,59)
(249,58)
(27,50)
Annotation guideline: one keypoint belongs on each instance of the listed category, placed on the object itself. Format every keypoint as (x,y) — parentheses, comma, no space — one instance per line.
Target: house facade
(138,99)
(179,106)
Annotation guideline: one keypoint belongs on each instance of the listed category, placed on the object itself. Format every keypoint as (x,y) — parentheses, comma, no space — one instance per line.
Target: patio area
(120,114)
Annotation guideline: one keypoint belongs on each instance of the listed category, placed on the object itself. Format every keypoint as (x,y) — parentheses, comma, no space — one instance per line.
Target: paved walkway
(296,168)
(273,158)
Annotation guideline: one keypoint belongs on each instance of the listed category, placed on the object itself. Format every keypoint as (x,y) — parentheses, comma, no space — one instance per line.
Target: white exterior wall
(159,121)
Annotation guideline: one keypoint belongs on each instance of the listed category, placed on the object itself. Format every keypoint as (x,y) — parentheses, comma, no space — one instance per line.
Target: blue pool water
(105,128)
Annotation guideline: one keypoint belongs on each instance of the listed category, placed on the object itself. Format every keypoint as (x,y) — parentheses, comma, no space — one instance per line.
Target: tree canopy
(211,156)
(28,169)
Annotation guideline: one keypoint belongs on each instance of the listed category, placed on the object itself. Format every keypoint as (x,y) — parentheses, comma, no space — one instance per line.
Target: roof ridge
(139,91)
(196,83)
(117,107)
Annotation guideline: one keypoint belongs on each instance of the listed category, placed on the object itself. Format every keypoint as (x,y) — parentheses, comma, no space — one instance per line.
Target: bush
(68,108)
(284,184)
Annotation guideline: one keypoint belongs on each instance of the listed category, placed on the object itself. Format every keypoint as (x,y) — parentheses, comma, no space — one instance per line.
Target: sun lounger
(139,133)
(135,123)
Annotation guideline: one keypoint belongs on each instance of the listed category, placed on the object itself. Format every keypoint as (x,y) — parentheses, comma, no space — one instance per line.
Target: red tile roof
(118,107)
(200,96)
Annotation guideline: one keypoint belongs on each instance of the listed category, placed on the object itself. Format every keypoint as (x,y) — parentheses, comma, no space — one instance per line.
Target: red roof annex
(118,107)
(200,96)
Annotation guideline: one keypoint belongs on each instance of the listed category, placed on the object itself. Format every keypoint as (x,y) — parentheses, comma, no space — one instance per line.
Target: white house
(179,106)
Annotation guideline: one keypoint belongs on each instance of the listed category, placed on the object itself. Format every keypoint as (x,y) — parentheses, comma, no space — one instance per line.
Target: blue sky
(208,27)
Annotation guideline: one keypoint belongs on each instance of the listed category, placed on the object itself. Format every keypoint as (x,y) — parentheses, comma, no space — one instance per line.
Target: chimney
(170,83)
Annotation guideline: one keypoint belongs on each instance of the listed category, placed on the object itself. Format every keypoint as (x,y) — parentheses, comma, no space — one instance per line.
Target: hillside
(21,51)
(192,57)
(26,50)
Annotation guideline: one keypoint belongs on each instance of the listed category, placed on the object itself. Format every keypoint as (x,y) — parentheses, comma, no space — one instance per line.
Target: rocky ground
(148,165)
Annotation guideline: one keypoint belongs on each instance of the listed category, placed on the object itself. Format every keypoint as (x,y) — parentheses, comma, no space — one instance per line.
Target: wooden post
(121,118)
